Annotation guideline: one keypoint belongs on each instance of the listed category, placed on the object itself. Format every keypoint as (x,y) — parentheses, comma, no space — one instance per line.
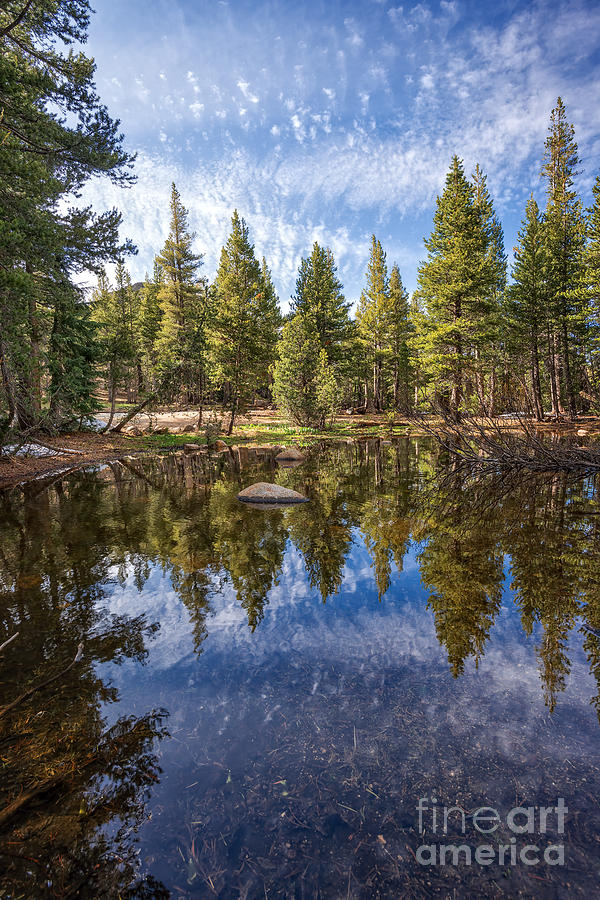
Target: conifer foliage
(456,284)
(54,135)
(304,380)
(245,322)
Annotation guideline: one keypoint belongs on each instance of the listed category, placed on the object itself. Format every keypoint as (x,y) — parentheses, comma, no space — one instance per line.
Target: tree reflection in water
(75,782)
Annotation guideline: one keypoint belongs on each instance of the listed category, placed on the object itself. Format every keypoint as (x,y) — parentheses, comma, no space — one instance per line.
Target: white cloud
(248,95)
(355,39)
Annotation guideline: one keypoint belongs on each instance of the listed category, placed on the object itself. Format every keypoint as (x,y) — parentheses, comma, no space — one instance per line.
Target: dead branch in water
(480,440)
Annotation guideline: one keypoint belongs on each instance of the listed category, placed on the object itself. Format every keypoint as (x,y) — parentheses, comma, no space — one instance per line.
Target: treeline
(466,340)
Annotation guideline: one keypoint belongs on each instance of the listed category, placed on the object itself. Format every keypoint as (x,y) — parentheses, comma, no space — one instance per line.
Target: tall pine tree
(319,293)
(528,300)
(54,135)
(183,296)
(373,322)
(450,286)
(245,324)
(592,282)
(488,305)
(564,231)
(398,336)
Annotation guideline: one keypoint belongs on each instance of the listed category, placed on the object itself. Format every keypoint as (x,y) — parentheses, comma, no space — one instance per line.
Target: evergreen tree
(244,327)
(490,295)
(399,332)
(450,284)
(269,315)
(319,292)
(73,352)
(592,282)
(304,380)
(112,312)
(149,319)
(183,297)
(54,135)
(564,232)
(373,319)
(528,300)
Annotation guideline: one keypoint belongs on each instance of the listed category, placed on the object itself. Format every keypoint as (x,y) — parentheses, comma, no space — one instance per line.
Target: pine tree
(319,292)
(564,230)
(490,294)
(450,286)
(181,344)
(304,381)
(244,326)
(149,319)
(373,324)
(73,353)
(528,299)
(592,282)
(54,135)
(269,315)
(111,311)
(399,332)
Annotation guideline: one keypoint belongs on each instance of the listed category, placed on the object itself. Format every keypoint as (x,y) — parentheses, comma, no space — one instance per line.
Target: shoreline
(259,428)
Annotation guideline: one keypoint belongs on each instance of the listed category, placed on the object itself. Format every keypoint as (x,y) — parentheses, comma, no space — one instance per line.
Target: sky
(331,121)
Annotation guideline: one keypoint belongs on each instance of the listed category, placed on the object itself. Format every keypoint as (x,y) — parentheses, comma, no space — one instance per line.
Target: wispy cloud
(338,125)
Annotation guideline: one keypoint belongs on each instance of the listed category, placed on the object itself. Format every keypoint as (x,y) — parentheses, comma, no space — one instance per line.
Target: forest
(478,335)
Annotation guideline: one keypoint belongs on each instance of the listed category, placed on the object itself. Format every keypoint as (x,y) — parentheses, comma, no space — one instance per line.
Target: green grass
(275,433)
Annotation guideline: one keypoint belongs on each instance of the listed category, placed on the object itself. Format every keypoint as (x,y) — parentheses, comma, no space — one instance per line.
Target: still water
(269,700)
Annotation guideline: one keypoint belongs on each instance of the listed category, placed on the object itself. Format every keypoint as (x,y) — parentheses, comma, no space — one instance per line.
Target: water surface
(264,695)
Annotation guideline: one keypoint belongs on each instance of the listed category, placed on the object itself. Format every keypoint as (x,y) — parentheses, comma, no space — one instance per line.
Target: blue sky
(330,121)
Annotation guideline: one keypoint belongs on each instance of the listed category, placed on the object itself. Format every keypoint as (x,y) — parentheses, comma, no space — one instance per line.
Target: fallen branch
(116,429)
(6,643)
(480,441)
(50,447)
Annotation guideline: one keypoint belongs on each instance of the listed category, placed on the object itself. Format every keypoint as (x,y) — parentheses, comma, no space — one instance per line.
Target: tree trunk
(369,405)
(113,402)
(232,418)
(492,403)
(558,374)
(479,382)
(130,415)
(553,370)
(35,376)
(535,380)
(571,401)
(140,378)
(456,393)
(9,390)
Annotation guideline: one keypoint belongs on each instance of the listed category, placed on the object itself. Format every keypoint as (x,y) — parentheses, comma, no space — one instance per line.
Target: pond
(310,701)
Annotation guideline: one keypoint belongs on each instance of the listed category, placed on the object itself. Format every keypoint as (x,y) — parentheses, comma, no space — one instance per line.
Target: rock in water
(263,492)
(290,455)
